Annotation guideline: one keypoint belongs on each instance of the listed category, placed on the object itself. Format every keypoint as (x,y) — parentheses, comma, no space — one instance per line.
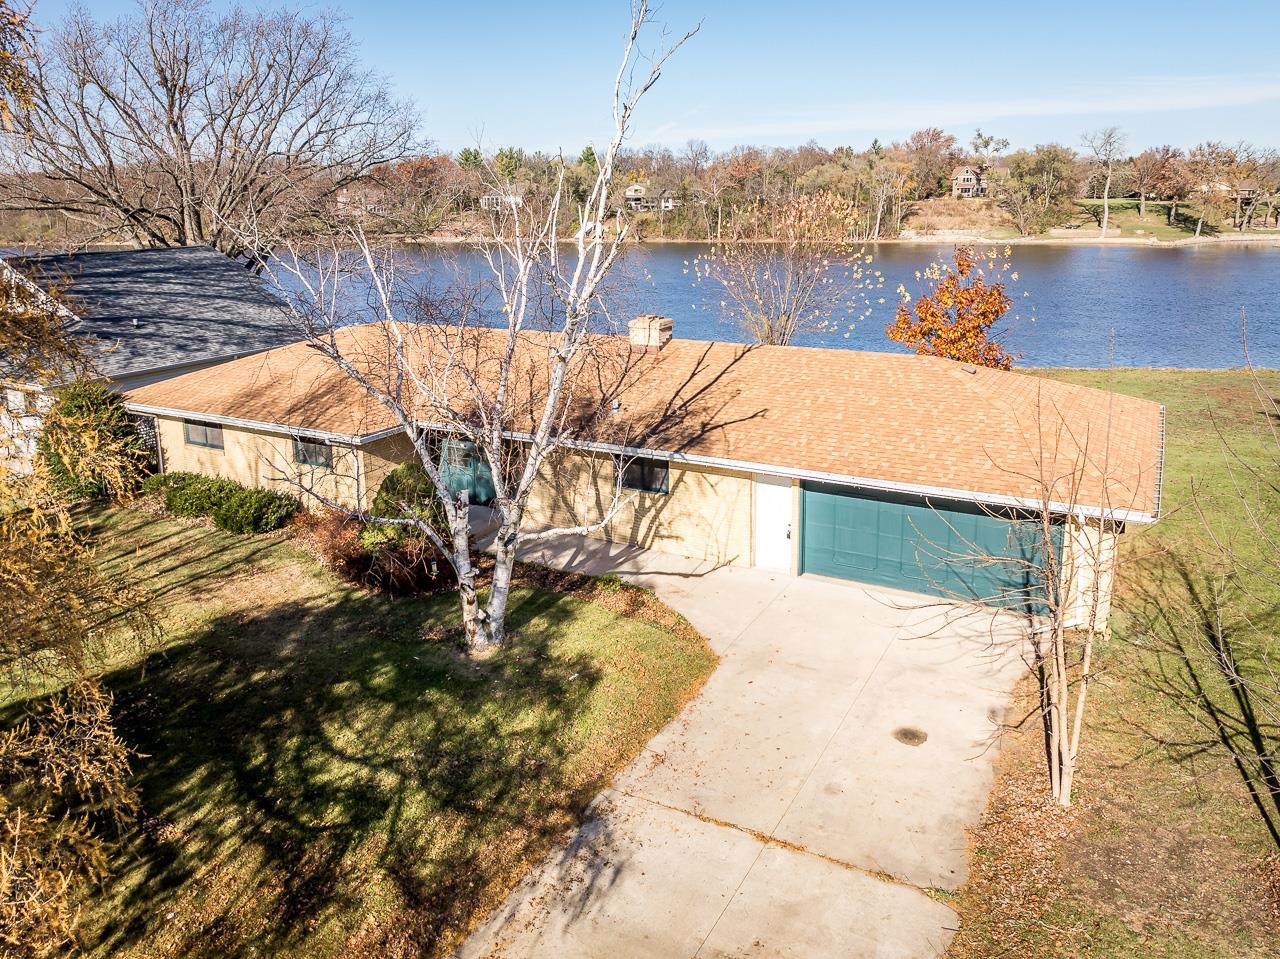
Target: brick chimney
(649,333)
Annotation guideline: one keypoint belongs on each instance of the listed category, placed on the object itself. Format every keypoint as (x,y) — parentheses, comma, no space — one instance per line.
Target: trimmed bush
(196,495)
(162,482)
(235,508)
(254,511)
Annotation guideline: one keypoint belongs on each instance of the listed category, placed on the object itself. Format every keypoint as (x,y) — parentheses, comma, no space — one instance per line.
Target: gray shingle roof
(190,304)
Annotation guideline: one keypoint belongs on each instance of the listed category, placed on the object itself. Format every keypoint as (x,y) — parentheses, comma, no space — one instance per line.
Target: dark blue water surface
(1085,305)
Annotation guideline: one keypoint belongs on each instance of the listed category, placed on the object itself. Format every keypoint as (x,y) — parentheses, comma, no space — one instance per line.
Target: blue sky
(538,74)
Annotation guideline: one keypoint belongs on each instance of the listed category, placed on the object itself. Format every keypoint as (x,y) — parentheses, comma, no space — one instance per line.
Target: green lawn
(1161,857)
(319,781)
(1125,218)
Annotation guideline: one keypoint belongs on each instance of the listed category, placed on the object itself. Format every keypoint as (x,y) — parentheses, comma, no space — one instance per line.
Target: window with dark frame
(647,475)
(311,453)
(208,435)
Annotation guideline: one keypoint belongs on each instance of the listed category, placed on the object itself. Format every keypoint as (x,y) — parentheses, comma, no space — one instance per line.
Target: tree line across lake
(268,119)
(695,193)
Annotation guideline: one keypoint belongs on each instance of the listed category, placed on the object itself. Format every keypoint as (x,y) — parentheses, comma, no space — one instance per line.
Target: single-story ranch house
(875,467)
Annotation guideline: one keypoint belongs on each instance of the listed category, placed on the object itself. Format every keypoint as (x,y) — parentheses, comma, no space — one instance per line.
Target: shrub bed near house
(234,508)
(160,483)
(377,557)
(254,511)
(195,495)
(398,560)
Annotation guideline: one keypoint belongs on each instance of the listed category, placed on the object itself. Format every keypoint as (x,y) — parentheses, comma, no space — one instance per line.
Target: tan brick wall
(705,515)
(255,458)
(382,456)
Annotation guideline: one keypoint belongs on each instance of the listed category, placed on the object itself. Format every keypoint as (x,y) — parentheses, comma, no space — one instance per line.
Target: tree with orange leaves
(955,318)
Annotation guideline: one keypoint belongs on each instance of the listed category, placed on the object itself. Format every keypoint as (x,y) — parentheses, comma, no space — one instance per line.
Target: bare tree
(518,393)
(1210,168)
(1057,568)
(177,125)
(697,155)
(987,148)
(790,270)
(1107,147)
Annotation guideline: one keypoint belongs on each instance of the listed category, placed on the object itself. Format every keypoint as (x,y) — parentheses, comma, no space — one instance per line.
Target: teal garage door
(940,547)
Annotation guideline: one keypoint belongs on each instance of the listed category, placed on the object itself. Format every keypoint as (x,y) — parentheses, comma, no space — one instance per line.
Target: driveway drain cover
(909,735)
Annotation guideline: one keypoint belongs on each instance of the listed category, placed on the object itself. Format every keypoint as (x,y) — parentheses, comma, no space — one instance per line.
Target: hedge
(196,495)
(235,508)
(254,511)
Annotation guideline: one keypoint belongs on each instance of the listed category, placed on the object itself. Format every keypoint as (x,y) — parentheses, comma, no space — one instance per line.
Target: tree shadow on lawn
(320,781)
(177,555)
(1213,663)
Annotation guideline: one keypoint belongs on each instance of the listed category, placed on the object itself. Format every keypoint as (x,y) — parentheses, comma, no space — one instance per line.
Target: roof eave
(745,466)
(346,439)
(207,360)
(864,482)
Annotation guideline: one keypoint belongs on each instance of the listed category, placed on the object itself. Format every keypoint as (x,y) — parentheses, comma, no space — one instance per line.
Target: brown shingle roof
(885,419)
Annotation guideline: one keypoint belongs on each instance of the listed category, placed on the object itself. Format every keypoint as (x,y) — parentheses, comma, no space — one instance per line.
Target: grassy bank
(1163,855)
(1126,218)
(318,780)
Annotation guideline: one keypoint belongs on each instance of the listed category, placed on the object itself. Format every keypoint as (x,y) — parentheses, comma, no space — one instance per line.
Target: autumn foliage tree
(64,785)
(17,86)
(956,318)
(63,770)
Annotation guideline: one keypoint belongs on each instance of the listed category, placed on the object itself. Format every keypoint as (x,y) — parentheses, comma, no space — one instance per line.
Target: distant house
(634,196)
(502,199)
(145,316)
(364,196)
(1246,190)
(968,181)
(640,196)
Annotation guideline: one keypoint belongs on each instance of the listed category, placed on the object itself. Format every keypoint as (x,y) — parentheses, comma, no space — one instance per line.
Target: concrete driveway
(804,802)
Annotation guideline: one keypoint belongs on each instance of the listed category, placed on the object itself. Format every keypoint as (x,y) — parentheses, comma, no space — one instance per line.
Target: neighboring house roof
(883,420)
(154,309)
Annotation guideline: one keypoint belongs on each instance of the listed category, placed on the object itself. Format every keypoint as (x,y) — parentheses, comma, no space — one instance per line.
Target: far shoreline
(946,239)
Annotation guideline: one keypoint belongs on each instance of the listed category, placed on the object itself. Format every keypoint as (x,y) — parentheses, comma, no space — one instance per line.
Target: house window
(202,434)
(309,453)
(647,475)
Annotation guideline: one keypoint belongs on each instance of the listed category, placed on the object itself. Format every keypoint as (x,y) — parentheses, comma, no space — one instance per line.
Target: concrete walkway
(803,802)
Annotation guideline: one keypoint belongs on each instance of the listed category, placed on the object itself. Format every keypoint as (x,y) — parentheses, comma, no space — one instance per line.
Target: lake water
(1085,305)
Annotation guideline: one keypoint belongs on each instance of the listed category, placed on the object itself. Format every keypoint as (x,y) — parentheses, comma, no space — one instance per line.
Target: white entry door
(772,522)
